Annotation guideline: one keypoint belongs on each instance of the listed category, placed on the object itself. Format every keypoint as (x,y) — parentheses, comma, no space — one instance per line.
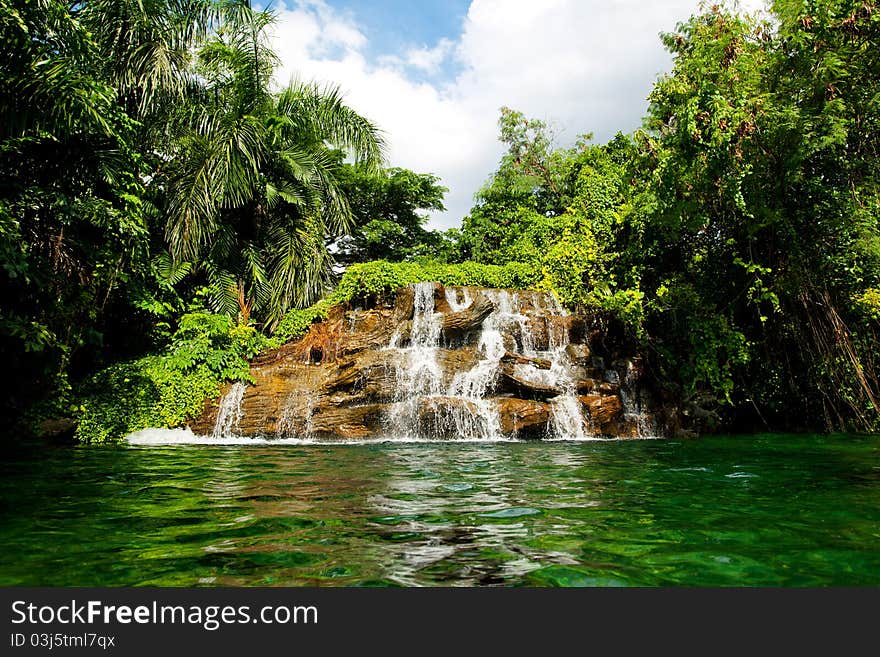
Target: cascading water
(473,385)
(418,374)
(288,422)
(229,412)
(633,403)
(454,303)
(567,420)
(480,364)
(469,413)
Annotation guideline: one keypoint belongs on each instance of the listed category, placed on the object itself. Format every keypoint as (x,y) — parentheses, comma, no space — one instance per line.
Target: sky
(433,74)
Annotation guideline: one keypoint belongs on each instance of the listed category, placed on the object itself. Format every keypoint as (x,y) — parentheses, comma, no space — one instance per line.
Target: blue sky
(391,24)
(433,74)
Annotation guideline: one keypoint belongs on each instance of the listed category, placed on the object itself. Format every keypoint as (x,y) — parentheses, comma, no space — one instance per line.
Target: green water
(757,510)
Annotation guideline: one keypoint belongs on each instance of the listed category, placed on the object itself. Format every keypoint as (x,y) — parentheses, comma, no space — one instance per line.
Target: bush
(166,390)
(367,280)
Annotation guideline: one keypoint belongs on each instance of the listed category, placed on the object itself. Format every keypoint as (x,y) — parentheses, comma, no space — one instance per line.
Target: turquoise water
(752,510)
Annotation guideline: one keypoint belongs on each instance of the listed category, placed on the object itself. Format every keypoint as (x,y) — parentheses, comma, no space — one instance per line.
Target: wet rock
(514,379)
(612,377)
(578,353)
(59,429)
(537,327)
(523,418)
(341,379)
(584,386)
(517,359)
(443,417)
(348,422)
(604,412)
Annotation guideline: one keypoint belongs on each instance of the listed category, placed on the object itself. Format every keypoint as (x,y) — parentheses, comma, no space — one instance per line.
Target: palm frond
(319,112)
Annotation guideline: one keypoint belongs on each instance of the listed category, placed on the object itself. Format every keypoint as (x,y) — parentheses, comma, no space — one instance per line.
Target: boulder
(604,412)
(579,354)
(523,418)
(516,381)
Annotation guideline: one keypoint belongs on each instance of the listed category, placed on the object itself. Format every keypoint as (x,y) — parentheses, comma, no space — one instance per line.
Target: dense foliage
(167,389)
(389,215)
(148,170)
(736,235)
(166,214)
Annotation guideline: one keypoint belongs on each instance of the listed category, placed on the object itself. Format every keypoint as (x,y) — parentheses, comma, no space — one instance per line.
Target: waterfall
(567,419)
(633,403)
(229,412)
(452,298)
(515,368)
(417,374)
(464,406)
(474,384)
(288,422)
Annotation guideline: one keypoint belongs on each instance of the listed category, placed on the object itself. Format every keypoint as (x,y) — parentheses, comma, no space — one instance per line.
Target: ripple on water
(805,511)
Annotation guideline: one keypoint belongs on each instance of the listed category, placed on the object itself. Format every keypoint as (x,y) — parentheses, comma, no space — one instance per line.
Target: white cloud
(583,65)
(429,59)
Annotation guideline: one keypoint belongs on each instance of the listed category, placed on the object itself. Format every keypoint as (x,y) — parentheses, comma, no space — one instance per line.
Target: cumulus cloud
(582,65)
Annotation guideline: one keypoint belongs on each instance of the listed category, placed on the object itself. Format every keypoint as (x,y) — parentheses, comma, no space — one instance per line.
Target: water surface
(756,510)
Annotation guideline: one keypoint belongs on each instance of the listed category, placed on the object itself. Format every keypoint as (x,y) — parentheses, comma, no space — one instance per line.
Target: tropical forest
(211,275)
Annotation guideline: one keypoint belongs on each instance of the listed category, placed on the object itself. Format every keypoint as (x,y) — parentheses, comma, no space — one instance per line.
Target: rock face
(437,363)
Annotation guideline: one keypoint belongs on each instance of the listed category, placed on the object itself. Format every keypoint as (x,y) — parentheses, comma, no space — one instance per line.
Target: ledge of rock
(357,374)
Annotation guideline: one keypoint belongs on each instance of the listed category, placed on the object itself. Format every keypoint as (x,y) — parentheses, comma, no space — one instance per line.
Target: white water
(452,299)
(417,373)
(469,412)
(229,413)
(567,416)
(287,424)
(160,437)
(474,384)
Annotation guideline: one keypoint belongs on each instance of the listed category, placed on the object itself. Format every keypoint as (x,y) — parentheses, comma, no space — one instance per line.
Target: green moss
(379,276)
(367,280)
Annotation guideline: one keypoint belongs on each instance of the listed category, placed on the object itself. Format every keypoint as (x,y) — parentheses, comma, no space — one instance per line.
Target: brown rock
(604,411)
(455,324)
(518,384)
(578,353)
(586,386)
(517,359)
(538,328)
(440,417)
(523,418)
(348,422)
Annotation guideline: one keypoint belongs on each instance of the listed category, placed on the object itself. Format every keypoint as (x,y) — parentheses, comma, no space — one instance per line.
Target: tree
(763,150)
(533,180)
(72,222)
(388,211)
(251,185)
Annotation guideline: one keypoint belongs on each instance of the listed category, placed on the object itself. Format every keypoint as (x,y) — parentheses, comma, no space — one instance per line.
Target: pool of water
(749,510)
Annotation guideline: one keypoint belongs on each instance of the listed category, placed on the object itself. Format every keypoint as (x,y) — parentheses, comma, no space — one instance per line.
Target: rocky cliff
(437,363)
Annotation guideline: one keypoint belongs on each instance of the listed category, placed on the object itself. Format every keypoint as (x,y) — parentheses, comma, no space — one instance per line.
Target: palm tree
(145,47)
(251,179)
(46,85)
